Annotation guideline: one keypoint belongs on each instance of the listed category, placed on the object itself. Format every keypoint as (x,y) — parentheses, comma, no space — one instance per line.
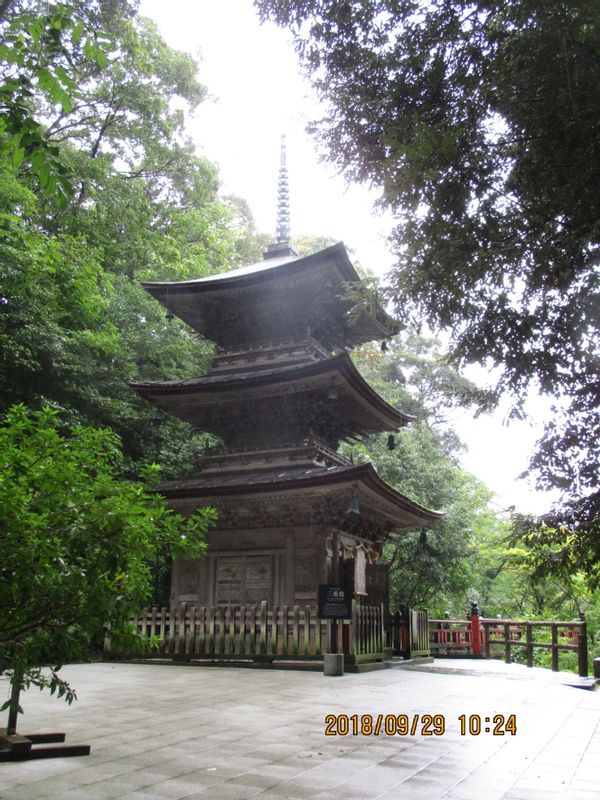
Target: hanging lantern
(391,442)
(384,346)
(158,419)
(169,316)
(352,512)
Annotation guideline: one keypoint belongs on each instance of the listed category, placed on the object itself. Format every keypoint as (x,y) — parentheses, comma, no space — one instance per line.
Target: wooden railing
(258,632)
(483,637)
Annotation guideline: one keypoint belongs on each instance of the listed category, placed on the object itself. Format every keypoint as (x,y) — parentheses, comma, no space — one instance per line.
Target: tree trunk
(15,692)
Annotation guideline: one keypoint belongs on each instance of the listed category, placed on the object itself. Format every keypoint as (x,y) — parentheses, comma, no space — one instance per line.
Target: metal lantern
(353,511)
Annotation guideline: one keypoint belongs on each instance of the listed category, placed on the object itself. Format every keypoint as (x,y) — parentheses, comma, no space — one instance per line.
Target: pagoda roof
(214,401)
(376,497)
(276,298)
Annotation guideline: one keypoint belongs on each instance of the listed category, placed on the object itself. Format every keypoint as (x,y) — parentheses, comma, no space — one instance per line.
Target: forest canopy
(479,123)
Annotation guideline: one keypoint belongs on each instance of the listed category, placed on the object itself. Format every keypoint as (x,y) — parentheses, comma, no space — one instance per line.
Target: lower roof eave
(362,475)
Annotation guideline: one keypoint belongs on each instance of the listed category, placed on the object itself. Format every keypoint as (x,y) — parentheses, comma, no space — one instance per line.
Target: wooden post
(171,645)
(529,646)
(283,640)
(263,626)
(582,649)
(201,645)
(163,629)
(306,630)
(486,640)
(335,569)
(475,631)
(554,630)
(507,642)
(352,637)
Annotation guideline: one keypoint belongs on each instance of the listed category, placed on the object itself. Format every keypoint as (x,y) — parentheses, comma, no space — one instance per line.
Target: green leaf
(18,154)
(77,32)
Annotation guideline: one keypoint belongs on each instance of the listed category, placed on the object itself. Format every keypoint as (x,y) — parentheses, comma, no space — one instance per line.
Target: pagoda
(282,394)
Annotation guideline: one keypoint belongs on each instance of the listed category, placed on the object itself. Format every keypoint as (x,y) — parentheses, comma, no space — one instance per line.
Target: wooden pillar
(290,574)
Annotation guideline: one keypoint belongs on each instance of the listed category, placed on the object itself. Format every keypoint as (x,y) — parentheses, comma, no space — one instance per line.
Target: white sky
(257,93)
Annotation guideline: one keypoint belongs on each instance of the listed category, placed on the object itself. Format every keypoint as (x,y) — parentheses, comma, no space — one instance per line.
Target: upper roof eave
(261,271)
(273,269)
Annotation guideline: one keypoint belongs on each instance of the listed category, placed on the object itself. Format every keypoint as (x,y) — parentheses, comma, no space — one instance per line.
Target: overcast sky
(256,94)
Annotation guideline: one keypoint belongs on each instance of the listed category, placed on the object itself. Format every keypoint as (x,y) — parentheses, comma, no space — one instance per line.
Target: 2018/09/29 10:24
(417,724)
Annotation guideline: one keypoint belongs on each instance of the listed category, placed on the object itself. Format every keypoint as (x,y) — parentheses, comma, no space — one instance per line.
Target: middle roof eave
(340,366)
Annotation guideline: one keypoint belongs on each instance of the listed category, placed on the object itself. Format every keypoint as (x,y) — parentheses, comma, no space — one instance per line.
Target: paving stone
(159,732)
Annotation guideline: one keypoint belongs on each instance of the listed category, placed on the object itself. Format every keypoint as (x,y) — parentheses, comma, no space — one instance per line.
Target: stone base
(333,664)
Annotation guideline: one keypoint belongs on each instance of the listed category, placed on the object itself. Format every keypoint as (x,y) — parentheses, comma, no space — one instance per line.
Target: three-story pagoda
(282,394)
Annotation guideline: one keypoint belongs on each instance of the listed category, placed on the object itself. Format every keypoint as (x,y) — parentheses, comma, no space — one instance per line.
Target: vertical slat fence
(260,632)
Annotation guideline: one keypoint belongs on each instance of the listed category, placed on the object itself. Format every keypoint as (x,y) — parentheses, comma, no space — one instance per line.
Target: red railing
(479,637)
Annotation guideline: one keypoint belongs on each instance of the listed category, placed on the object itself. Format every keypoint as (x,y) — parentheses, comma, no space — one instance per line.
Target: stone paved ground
(161,732)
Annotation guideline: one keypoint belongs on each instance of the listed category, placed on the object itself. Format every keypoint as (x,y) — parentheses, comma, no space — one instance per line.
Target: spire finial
(282,234)
(281,246)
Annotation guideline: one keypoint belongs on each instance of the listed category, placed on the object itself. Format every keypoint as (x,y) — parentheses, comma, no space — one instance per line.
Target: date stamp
(417,724)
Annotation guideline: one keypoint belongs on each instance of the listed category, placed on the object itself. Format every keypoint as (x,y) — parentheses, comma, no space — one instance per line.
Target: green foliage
(480,124)
(508,582)
(39,45)
(434,568)
(77,326)
(77,542)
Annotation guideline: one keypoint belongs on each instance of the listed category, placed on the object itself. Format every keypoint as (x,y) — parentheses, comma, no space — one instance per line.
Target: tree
(77,544)
(480,124)
(427,568)
(76,325)
(39,47)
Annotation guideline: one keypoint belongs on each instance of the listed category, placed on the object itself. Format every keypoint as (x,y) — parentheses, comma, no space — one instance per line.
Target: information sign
(335,602)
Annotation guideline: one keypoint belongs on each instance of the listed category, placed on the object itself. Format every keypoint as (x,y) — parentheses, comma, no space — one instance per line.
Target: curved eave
(378,325)
(360,476)
(257,274)
(340,365)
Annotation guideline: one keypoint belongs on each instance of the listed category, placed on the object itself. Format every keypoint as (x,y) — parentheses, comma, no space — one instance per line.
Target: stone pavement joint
(162,731)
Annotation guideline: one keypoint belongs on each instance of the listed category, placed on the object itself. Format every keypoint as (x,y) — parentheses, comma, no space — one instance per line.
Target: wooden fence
(483,637)
(410,633)
(260,633)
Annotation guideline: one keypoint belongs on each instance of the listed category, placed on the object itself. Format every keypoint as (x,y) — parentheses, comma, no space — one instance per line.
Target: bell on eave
(391,442)
(169,316)
(384,346)
(158,419)
(332,394)
(352,513)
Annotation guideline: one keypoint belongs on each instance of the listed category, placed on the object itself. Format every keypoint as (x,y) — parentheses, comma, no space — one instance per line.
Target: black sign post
(335,602)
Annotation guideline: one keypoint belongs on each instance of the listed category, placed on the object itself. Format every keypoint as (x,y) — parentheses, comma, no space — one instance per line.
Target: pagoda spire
(282,234)
(281,246)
